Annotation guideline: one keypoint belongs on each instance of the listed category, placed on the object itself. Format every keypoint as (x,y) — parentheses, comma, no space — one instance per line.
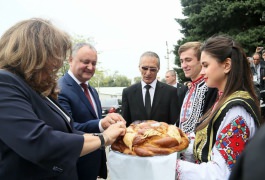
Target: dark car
(111,105)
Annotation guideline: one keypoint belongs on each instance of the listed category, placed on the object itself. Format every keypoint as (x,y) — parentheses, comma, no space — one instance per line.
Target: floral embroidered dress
(196,102)
(218,145)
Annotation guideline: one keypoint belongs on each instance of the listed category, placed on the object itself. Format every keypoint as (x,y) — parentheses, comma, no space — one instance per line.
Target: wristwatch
(102,140)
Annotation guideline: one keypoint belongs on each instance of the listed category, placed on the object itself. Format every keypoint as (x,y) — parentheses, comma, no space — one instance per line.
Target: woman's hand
(114,131)
(92,143)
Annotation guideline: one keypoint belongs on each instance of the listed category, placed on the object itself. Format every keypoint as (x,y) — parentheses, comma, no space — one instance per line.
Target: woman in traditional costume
(224,130)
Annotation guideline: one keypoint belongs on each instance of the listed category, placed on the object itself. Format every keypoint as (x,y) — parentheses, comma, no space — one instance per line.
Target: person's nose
(89,66)
(202,71)
(148,72)
(183,65)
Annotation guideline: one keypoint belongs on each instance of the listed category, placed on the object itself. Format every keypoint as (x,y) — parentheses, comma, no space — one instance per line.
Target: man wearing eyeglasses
(150,99)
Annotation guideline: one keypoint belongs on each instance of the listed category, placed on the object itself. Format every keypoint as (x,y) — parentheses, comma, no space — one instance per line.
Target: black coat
(165,106)
(36,139)
(182,89)
(261,84)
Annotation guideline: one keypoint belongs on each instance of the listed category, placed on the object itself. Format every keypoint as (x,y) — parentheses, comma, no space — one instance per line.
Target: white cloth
(218,167)
(187,155)
(127,167)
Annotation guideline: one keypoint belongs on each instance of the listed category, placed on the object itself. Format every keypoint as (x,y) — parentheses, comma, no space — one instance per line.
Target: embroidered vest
(206,137)
(196,102)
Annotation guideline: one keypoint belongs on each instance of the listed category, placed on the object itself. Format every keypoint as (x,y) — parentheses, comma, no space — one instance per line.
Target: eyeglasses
(152,69)
(255,59)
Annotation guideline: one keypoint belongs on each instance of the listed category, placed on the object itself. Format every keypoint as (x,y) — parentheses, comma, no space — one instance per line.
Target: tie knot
(83,85)
(147,87)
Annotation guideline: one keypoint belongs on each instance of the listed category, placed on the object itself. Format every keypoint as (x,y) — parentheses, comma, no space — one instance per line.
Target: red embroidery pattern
(232,139)
(178,170)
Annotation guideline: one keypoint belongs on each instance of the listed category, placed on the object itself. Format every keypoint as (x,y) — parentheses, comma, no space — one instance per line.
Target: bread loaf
(151,138)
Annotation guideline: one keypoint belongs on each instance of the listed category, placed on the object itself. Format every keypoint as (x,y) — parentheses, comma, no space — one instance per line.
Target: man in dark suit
(150,99)
(82,102)
(257,66)
(171,79)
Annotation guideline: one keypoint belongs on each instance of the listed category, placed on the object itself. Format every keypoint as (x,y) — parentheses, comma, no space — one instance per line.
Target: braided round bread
(150,138)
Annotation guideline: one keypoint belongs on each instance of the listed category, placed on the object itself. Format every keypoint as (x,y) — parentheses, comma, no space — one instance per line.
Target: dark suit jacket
(36,140)
(261,83)
(182,89)
(164,106)
(73,99)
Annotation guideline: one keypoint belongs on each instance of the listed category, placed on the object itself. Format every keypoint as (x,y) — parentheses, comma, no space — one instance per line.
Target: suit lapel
(157,96)
(55,109)
(77,89)
(97,101)
(139,100)
(179,88)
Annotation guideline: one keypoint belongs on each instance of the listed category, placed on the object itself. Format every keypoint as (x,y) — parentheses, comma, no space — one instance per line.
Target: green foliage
(244,20)
(137,79)
(115,80)
(78,39)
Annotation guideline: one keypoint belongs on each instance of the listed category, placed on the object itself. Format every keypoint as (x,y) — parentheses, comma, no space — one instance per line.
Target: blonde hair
(35,50)
(191,45)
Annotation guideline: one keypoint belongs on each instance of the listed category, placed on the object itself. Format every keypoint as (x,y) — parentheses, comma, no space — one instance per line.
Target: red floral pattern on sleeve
(232,139)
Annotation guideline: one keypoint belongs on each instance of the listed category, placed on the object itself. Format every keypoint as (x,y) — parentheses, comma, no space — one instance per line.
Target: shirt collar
(75,79)
(197,81)
(153,84)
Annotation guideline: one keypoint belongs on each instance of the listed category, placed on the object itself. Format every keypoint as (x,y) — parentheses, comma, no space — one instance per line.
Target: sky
(121,29)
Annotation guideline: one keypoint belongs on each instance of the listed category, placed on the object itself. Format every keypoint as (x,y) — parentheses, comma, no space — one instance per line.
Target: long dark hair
(239,78)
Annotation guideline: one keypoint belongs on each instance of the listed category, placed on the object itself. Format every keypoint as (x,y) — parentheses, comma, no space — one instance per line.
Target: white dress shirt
(151,90)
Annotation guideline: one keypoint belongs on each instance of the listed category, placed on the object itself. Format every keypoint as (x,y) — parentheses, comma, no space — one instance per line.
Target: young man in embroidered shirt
(199,98)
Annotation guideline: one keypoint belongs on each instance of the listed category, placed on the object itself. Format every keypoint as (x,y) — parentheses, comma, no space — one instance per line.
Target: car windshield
(110,102)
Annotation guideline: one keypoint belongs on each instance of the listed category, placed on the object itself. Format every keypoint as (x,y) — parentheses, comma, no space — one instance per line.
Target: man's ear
(227,65)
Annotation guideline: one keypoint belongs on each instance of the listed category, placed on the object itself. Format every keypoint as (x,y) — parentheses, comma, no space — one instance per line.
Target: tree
(96,80)
(137,79)
(114,80)
(122,81)
(242,20)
